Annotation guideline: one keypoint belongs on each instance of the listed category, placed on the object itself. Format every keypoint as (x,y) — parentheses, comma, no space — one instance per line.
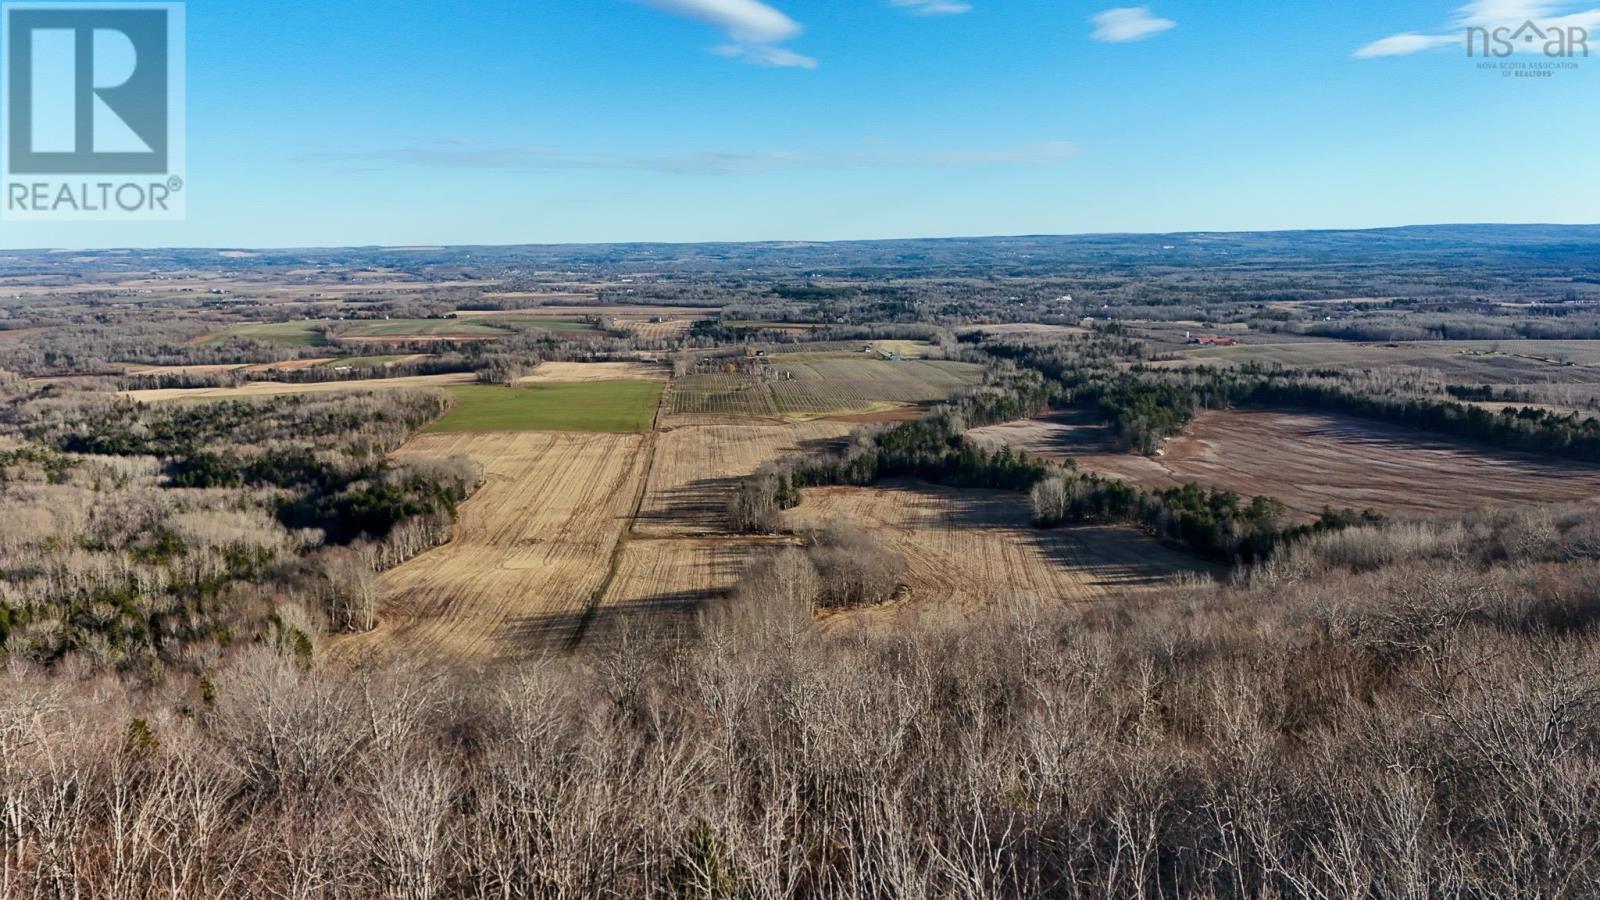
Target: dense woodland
(144,537)
(1379,713)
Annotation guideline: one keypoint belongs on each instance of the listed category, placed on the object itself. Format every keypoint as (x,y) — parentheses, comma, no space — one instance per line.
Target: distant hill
(1436,246)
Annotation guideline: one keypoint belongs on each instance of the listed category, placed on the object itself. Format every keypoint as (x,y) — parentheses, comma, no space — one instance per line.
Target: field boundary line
(592,609)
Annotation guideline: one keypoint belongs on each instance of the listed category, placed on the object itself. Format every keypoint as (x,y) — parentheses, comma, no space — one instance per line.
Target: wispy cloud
(1405,45)
(1485,14)
(469,155)
(766,55)
(1131,23)
(933,7)
(755,30)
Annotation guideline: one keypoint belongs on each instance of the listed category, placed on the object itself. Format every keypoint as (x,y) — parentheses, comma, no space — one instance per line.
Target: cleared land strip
(280,389)
(1312,460)
(547,373)
(531,548)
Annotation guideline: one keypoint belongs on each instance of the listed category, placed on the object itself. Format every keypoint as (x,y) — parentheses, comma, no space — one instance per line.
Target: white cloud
(1485,14)
(746,21)
(1133,23)
(754,29)
(765,55)
(1404,45)
(934,7)
(459,154)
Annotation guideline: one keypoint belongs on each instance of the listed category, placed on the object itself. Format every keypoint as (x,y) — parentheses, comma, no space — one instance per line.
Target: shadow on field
(1105,555)
(702,504)
(669,616)
(1116,557)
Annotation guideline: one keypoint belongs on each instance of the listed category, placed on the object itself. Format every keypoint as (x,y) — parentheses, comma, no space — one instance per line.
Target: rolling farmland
(722,395)
(967,548)
(1471,362)
(804,385)
(279,389)
(1312,460)
(407,329)
(531,548)
(611,406)
(593,371)
(697,467)
(279,334)
(660,585)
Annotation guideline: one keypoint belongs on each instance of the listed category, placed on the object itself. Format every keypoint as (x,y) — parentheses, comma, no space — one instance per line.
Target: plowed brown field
(1312,460)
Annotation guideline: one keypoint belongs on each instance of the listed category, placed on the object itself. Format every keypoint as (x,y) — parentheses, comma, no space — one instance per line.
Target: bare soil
(1313,460)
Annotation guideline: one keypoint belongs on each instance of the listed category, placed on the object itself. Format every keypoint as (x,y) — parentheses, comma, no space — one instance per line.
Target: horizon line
(427,245)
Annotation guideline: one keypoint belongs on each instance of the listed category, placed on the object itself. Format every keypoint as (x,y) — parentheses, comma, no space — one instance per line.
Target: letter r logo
(87,90)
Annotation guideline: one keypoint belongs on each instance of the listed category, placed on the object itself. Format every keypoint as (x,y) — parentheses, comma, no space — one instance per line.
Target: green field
(559,325)
(420,327)
(281,334)
(606,406)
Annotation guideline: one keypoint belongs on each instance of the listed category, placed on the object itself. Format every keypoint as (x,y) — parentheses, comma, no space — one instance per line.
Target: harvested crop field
(313,332)
(722,395)
(820,384)
(966,548)
(1023,330)
(278,334)
(659,329)
(1464,362)
(598,371)
(531,548)
(697,468)
(1312,460)
(662,585)
(814,383)
(279,389)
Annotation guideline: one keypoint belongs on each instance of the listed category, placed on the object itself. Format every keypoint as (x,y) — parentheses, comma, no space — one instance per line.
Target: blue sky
(336,123)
